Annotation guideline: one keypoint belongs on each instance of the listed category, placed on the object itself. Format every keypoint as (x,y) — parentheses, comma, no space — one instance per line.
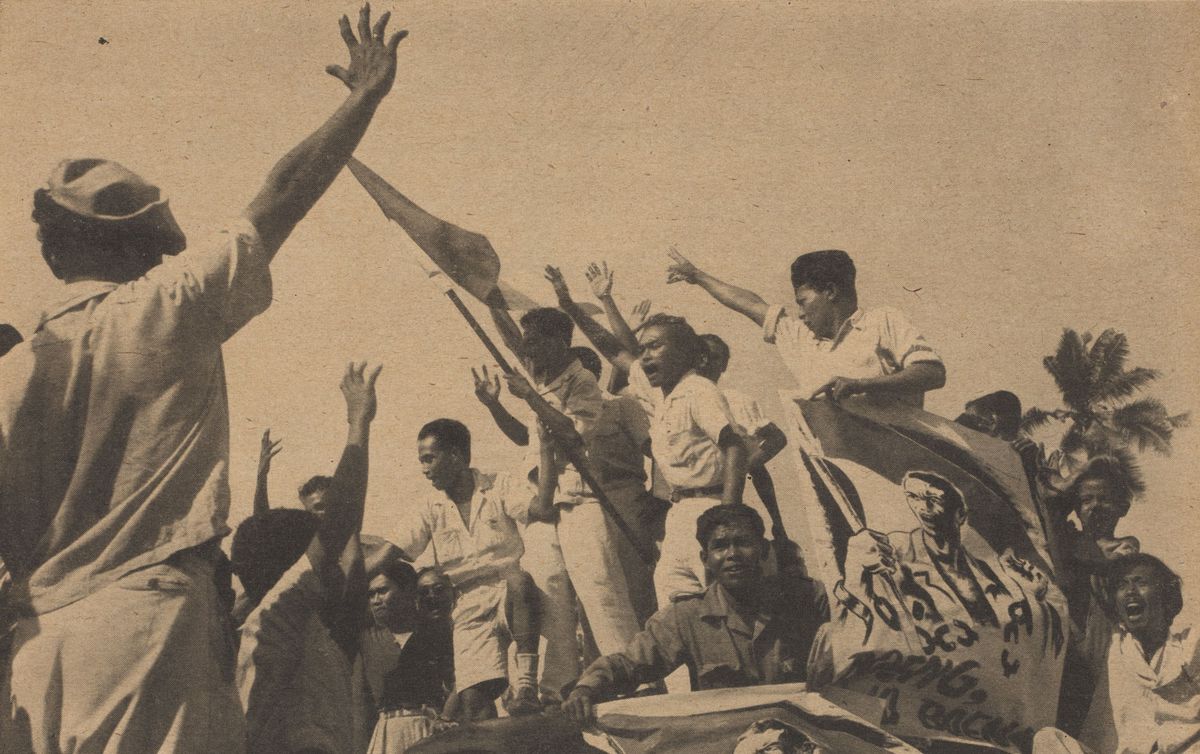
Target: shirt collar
(716,602)
(684,386)
(75,294)
(565,376)
(854,322)
(483,483)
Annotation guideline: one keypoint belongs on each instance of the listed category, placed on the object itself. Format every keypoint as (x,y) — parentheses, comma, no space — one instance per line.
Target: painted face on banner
(937,511)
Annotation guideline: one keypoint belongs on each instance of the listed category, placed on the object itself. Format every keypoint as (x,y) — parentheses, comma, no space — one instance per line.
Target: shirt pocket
(447,546)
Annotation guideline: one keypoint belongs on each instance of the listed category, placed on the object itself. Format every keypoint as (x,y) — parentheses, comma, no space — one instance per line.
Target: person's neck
(945,547)
(669,387)
(745,600)
(1151,641)
(463,488)
(403,624)
(551,372)
(845,311)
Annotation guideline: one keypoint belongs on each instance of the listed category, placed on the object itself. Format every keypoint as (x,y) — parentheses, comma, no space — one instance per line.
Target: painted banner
(936,561)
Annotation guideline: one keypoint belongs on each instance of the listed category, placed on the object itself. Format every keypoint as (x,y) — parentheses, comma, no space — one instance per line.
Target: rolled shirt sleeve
(902,339)
(650,656)
(710,411)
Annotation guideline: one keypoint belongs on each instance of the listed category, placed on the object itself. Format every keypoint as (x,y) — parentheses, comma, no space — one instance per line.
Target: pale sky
(1027,167)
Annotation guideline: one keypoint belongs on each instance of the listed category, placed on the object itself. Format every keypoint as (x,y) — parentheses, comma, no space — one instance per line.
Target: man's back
(114,422)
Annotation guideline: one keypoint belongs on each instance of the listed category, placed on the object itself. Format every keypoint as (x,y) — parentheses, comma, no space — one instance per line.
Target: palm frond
(1071,368)
(1180,420)
(1108,355)
(1146,422)
(1132,469)
(1117,386)
(1036,418)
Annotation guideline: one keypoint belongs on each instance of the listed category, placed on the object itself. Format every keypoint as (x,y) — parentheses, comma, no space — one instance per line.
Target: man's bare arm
(542,508)
(267,450)
(601,280)
(606,343)
(298,180)
(487,390)
(740,300)
(917,378)
(734,451)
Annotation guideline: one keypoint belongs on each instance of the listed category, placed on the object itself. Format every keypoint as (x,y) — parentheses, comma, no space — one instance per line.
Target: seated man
(744,630)
(473,525)
(408,660)
(298,645)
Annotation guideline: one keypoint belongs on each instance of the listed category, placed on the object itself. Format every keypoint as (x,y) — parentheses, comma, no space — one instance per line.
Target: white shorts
(396,731)
(481,633)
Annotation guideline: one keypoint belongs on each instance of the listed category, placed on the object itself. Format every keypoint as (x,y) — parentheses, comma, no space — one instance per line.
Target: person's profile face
(441,466)
(540,351)
(1100,507)
(937,511)
(734,555)
(817,310)
(663,358)
(1140,601)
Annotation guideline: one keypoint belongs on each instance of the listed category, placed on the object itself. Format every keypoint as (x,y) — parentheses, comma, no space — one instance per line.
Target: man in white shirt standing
(114,444)
(833,348)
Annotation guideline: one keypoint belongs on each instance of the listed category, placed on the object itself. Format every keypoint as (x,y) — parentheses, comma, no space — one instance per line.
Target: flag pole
(572,446)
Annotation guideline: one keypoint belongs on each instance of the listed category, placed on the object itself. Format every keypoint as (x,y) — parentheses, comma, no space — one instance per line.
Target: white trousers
(543,561)
(680,570)
(589,548)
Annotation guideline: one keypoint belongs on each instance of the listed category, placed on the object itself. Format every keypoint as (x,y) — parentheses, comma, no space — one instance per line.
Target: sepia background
(998,170)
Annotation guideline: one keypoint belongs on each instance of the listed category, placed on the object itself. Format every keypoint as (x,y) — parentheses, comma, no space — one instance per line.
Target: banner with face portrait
(936,560)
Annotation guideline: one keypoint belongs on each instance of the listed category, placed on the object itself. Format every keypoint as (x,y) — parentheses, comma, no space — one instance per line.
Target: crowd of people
(618,559)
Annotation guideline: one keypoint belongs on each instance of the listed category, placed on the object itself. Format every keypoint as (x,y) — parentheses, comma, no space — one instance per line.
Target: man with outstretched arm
(299,644)
(114,443)
(833,348)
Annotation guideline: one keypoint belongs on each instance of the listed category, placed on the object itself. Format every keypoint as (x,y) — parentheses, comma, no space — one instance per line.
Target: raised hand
(639,313)
(372,61)
(358,388)
(600,279)
(268,449)
(555,276)
(680,269)
(487,387)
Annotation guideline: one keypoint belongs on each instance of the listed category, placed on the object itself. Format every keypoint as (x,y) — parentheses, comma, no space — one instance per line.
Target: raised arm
(487,390)
(301,177)
(601,280)
(609,346)
(740,300)
(336,541)
(734,451)
(267,450)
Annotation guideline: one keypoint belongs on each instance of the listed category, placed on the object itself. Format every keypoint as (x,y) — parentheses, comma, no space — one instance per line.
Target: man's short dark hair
(9,338)
(401,573)
(1170,582)
(1005,406)
(588,359)
(681,332)
(822,270)
(728,515)
(73,245)
(716,346)
(265,546)
(1123,479)
(318,483)
(953,495)
(450,434)
(549,321)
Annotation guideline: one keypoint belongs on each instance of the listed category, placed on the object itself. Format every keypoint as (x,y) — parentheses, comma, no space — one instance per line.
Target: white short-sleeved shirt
(114,421)
(295,683)
(576,394)
(685,428)
(1139,704)
(489,548)
(871,343)
(745,411)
